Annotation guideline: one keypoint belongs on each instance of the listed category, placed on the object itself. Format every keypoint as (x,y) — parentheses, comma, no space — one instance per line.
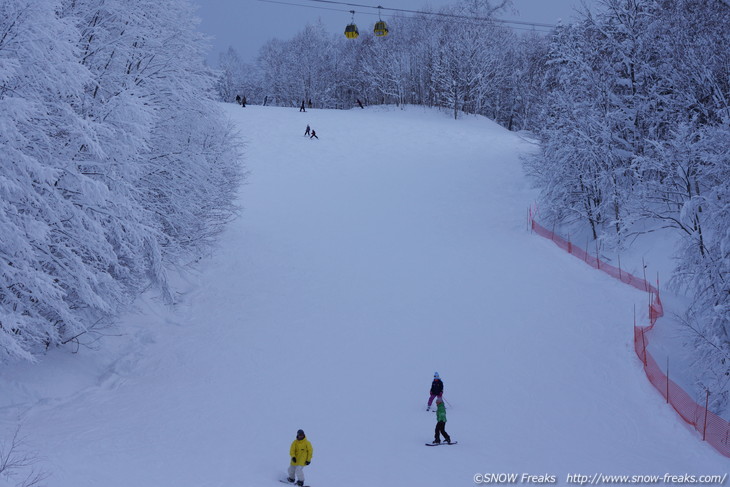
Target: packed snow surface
(393,246)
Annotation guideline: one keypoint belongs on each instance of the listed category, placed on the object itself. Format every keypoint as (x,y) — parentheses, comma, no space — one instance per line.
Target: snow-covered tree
(525,65)
(115,165)
(636,128)
(386,67)
(52,250)
(231,74)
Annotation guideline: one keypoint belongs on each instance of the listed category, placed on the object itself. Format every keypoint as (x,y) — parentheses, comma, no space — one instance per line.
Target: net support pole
(667,380)
(707,404)
(634,327)
(620,277)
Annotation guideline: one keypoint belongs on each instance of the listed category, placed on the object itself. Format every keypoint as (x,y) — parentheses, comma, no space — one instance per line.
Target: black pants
(441,428)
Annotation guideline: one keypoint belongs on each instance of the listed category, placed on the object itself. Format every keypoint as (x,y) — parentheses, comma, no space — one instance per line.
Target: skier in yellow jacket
(301,455)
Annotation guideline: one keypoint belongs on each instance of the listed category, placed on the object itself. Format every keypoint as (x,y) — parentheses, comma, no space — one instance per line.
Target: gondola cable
(533,27)
(441,14)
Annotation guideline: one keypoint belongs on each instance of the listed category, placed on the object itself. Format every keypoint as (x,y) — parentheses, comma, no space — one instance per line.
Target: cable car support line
(534,26)
(442,14)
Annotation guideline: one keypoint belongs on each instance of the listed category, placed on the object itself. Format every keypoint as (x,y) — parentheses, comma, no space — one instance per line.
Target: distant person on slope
(437,389)
(306,132)
(301,455)
(440,423)
(314,135)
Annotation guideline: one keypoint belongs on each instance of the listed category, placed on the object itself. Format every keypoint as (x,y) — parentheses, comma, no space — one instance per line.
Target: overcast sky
(247,24)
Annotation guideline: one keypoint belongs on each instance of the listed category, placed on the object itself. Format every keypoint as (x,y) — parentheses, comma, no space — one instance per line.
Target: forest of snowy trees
(631,104)
(636,136)
(473,67)
(114,167)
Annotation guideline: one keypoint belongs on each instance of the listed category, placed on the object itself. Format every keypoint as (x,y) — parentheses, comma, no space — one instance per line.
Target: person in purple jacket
(437,389)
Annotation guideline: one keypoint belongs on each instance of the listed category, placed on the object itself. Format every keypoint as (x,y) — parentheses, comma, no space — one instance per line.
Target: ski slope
(392,247)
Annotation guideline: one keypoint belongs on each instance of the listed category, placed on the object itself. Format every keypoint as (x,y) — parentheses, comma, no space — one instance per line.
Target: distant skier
(243,101)
(306,132)
(238,99)
(301,108)
(314,135)
(437,389)
(440,423)
(301,455)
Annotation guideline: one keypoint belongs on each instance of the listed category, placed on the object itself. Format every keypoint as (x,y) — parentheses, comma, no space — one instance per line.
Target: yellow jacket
(301,450)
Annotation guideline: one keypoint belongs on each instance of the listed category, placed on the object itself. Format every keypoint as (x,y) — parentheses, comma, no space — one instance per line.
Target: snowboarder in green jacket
(441,422)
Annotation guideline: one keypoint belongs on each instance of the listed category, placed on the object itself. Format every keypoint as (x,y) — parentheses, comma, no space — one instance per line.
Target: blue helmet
(435,375)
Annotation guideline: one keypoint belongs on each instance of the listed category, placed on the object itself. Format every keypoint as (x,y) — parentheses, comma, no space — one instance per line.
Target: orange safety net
(714,429)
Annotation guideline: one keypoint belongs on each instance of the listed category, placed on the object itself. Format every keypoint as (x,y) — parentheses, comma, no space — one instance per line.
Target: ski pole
(447,402)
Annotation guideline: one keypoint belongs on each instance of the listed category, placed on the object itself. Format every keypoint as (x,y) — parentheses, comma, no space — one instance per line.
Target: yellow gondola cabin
(351,31)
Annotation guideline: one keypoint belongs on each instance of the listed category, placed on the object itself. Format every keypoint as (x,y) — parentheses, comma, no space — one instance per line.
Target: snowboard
(283,481)
(443,443)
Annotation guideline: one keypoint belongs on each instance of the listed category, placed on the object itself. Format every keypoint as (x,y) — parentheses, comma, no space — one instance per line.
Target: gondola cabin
(351,31)
(381,29)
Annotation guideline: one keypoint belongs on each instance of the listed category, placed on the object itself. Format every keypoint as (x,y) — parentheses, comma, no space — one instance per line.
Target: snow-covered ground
(392,247)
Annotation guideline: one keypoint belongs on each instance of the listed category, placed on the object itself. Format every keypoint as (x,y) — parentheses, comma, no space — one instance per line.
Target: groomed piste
(393,246)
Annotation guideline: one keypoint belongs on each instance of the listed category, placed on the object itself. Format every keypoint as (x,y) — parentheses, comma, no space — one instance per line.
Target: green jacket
(440,412)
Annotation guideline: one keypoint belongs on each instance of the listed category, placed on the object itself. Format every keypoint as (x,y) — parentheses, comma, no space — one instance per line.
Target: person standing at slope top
(437,389)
